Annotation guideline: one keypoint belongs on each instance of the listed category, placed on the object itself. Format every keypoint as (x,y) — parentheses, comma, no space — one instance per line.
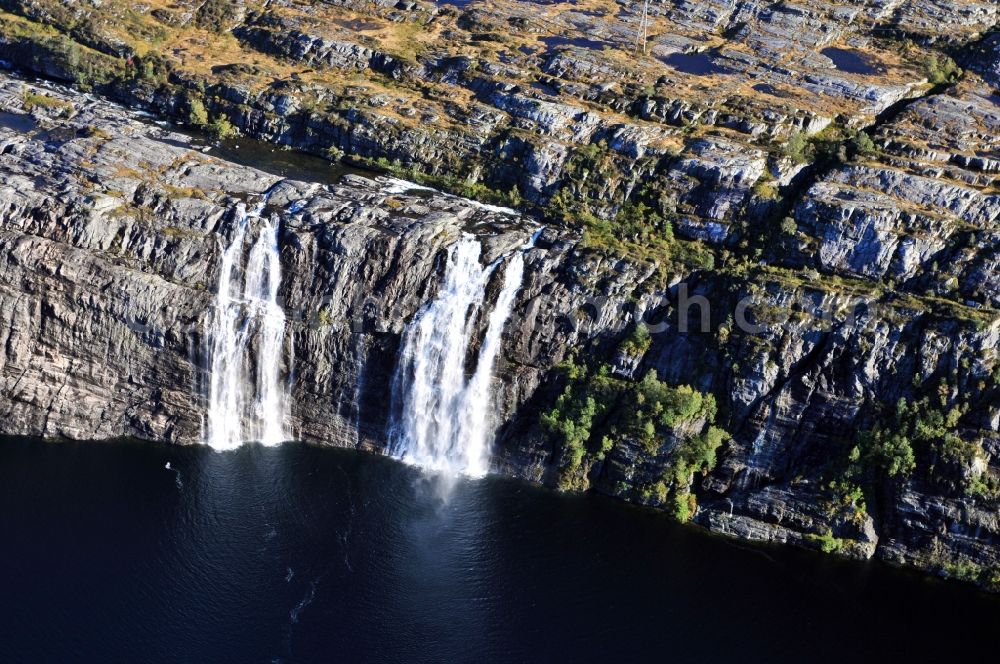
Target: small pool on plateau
(698,64)
(850,62)
(17,121)
(580,42)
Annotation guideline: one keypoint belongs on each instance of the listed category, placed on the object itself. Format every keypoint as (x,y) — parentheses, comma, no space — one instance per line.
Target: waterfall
(247,399)
(263,279)
(443,420)
(476,412)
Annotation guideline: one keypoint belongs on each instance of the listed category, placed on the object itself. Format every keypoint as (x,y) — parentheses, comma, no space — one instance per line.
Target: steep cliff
(112,232)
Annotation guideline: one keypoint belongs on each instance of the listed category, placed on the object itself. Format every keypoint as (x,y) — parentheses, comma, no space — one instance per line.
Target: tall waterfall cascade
(443,419)
(247,395)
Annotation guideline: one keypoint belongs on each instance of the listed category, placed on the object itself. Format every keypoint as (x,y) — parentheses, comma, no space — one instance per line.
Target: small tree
(862,145)
(197,115)
(798,148)
(788,226)
(221,127)
(941,69)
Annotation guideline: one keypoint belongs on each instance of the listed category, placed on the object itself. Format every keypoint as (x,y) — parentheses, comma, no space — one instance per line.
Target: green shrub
(862,145)
(890,452)
(638,220)
(700,452)
(920,436)
(334,153)
(941,69)
(789,226)
(766,189)
(798,148)
(221,127)
(197,115)
(683,505)
(638,341)
(218,15)
(597,410)
(827,542)
(33,100)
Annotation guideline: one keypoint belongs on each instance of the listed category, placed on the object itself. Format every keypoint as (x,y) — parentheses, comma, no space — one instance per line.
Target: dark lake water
(283,162)
(17,121)
(850,61)
(699,64)
(581,42)
(300,554)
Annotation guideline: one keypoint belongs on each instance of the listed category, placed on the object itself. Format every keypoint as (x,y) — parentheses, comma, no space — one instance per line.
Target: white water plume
(247,399)
(444,420)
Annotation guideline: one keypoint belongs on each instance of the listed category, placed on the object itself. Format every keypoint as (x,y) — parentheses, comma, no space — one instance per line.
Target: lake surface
(299,553)
(699,64)
(580,42)
(282,162)
(850,61)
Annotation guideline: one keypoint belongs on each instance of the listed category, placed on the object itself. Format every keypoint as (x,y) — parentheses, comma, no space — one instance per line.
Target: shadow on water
(292,553)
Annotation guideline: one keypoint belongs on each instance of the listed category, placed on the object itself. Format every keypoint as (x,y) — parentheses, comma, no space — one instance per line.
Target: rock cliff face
(820,175)
(112,231)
